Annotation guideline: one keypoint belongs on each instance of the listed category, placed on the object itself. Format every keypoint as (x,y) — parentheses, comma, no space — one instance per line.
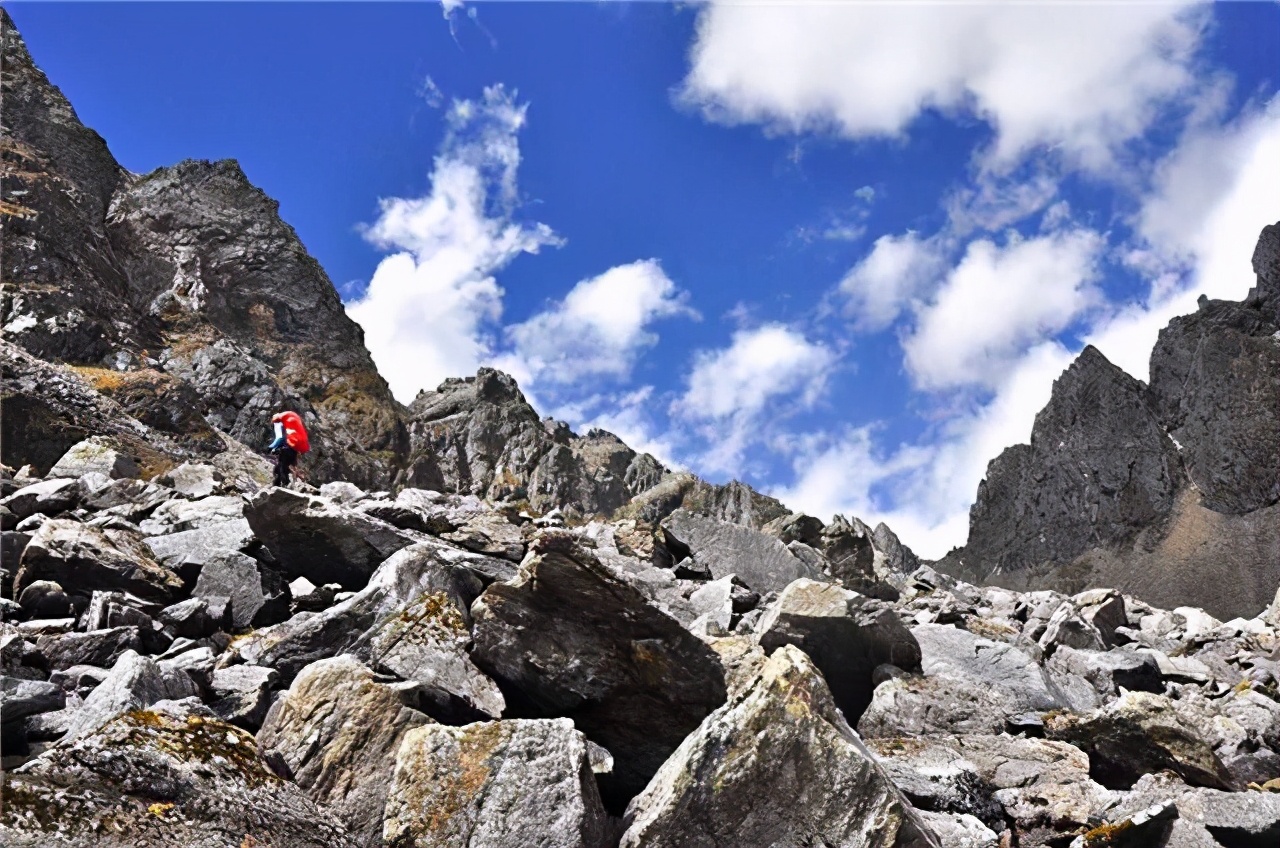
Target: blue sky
(839,251)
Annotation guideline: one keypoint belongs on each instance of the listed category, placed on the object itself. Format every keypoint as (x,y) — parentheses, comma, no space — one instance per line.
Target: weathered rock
(922,706)
(336,732)
(504,784)
(423,569)
(192,618)
(155,778)
(48,497)
(79,679)
(97,647)
(187,552)
(958,830)
(957,654)
(258,593)
(95,455)
(426,642)
(195,480)
(135,683)
(180,514)
(240,694)
(320,540)
(776,765)
(22,698)
(87,558)
(845,634)
(568,637)
(1138,734)
(760,561)
(44,599)
(1041,788)
(1110,671)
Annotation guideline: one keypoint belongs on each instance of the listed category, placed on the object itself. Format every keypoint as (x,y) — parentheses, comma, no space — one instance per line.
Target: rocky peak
(1156,486)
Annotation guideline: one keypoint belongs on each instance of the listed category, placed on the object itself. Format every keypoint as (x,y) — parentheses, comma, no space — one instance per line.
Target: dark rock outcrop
(1170,491)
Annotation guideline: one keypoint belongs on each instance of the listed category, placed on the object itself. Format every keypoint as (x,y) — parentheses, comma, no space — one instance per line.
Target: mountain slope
(1169,490)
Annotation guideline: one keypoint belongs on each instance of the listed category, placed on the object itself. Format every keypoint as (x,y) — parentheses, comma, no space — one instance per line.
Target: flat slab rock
(155,779)
(761,561)
(776,765)
(503,784)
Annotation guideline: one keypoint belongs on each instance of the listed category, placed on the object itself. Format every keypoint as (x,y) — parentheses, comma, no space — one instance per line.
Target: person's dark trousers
(285,458)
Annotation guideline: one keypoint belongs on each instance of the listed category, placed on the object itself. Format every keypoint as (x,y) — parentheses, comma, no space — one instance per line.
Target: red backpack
(294,433)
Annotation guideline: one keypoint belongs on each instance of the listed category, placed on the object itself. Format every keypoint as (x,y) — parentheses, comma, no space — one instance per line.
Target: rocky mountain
(1169,490)
(486,630)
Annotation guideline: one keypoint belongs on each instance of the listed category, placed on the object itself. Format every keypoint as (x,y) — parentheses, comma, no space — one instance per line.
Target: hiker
(290,441)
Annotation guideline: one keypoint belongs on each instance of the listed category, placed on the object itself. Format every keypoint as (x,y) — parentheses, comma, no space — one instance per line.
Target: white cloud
(601,326)
(733,389)
(934,482)
(998,302)
(1213,195)
(1083,77)
(882,284)
(431,304)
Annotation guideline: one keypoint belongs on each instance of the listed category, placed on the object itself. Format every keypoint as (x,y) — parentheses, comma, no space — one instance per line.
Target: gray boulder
(44,599)
(505,784)
(22,698)
(336,732)
(761,561)
(186,552)
(845,634)
(761,770)
(193,479)
(569,637)
(96,647)
(87,558)
(1138,734)
(240,694)
(49,497)
(155,778)
(948,652)
(135,683)
(320,540)
(426,642)
(179,514)
(258,594)
(423,569)
(95,455)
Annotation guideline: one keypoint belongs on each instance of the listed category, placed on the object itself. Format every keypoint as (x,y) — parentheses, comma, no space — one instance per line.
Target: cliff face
(1171,488)
(185,280)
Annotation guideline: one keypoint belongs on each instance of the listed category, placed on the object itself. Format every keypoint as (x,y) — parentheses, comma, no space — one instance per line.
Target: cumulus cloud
(431,305)
(732,390)
(1206,236)
(882,284)
(601,326)
(998,302)
(869,69)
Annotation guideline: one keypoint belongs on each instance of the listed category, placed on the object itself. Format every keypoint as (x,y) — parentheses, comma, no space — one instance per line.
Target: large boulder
(95,455)
(948,652)
(504,784)
(48,497)
(258,593)
(570,637)
(1138,734)
(318,539)
(776,765)
(187,551)
(336,732)
(422,569)
(759,560)
(845,634)
(85,558)
(155,778)
(426,642)
(135,683)
(179,514)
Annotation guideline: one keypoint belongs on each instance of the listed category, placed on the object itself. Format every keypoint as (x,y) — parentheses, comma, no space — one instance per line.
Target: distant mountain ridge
(1170,490)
